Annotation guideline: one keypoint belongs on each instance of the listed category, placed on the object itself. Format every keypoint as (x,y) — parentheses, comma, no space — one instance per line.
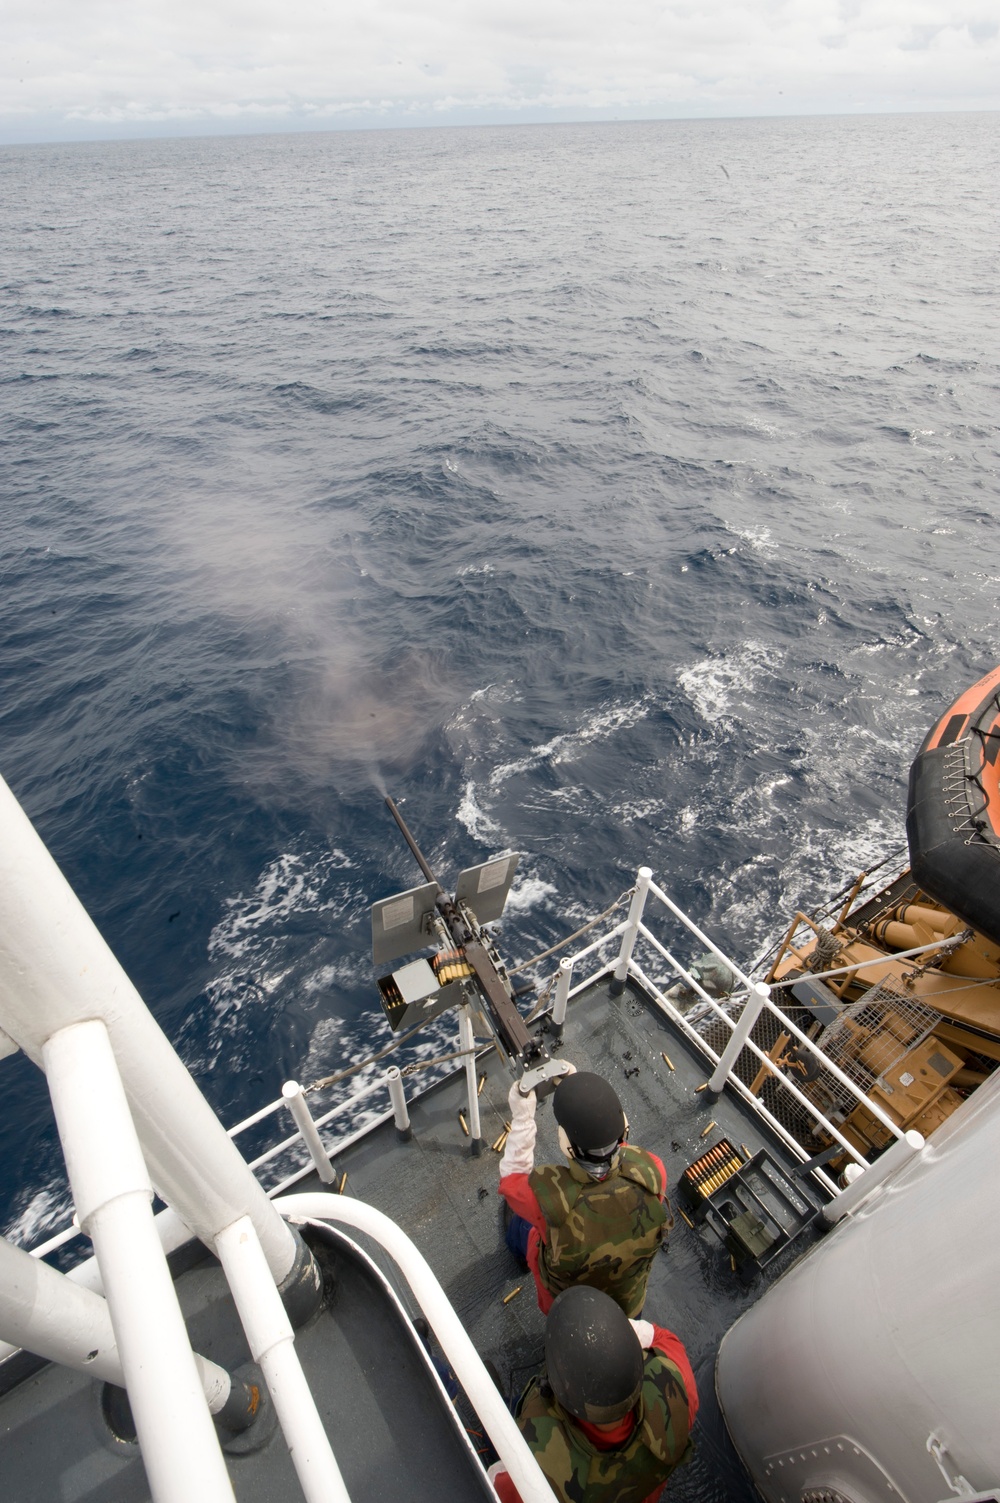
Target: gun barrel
(418,855)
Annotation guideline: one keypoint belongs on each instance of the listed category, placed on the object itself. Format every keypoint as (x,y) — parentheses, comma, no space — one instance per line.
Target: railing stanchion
(299,1108)
(748,1017)
(561,1000)
(397,1095)
(645,876)
(467,1043)
(895,1156)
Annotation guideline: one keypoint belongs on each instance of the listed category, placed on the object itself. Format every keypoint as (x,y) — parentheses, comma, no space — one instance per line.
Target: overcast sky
(92,68)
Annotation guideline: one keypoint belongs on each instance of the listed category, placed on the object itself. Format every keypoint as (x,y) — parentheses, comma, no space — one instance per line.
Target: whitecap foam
(715,684)
(474,817)
(256,951)
(47,1212)
(599,726)
(528,893)
(289,885)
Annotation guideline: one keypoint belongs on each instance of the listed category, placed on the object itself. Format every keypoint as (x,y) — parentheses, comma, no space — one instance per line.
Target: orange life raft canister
(953,809)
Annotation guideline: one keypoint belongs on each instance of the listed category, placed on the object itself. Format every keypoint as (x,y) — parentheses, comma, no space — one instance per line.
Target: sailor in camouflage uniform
(610,1415)
(599,1218)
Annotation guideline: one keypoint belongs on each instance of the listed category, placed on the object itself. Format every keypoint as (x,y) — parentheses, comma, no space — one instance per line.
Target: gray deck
(393,1431)
(446,1200)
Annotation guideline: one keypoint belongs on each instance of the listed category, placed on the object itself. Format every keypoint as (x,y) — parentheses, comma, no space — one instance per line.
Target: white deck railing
(611,953)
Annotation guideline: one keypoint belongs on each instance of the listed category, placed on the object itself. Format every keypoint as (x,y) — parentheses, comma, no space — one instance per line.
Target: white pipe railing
(59,1240)
(564,981)
(730,1077)
(751,1011)
(598,944)
(466,1363)
(272,1345)
(335,1111)
(631,934)
(56,969)
(467,1046)
(265,1111)
(681,1022)
(787,1024)
(110,1184)
(296,1102)
(397,1095)
(894,1157)
(709,944)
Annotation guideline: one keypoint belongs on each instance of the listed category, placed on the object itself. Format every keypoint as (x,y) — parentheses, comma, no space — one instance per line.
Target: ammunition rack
(709,1173)
(750,1203)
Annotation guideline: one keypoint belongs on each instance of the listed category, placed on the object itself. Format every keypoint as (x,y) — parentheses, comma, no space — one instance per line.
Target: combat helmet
(588,1111)
(593,1359)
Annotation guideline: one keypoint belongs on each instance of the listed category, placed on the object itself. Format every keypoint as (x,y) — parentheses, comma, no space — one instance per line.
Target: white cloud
(108,61)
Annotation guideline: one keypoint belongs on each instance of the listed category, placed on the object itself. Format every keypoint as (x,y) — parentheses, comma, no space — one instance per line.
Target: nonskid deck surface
(392,1429)
(447,1201)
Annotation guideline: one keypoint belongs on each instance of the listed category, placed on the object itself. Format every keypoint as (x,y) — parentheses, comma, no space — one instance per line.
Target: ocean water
(611,493)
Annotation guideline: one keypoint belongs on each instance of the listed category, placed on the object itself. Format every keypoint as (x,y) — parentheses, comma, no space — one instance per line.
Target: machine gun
(465,968)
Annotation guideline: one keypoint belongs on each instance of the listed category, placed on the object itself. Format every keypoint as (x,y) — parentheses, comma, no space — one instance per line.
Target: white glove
(521,1107)
(519,1150)
(644,1330)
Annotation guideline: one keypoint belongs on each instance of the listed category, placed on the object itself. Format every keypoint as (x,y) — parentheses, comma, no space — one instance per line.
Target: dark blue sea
(611,493)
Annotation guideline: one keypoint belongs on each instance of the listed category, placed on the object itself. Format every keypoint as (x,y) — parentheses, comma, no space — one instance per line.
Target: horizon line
(202,129)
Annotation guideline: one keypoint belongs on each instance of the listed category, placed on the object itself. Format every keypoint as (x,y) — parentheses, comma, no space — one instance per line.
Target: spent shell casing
(462,1122)
(667,1060)
(702,1087)
(687,1219)
(482,1082)
(343,1182)
(746,1150)
(706,1130)
(732,1262)
(501,1142)
(508,1297)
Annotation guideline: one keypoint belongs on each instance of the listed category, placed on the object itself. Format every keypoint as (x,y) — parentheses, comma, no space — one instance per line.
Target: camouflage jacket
(579,1472)
(604,1233)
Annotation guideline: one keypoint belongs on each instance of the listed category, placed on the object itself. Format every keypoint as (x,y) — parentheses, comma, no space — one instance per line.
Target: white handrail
(297,1137)
(690,924)
(462,1356)
(272,1345)
(597,944)
(786,1022)
(758,1106)
(894,1157)
(265,1111)
(733,1079)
